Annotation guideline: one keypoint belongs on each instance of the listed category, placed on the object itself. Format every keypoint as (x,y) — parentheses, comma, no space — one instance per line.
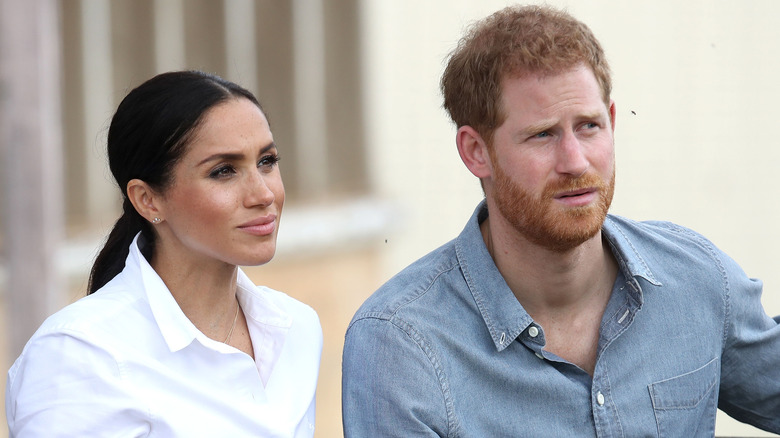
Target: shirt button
(533,331)
(539,355)
(600,398)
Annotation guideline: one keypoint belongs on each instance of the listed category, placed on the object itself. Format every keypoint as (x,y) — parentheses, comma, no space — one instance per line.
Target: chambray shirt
(127,362)
(445,349)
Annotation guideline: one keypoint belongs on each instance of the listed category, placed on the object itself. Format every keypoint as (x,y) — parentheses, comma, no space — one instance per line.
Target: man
(546,316)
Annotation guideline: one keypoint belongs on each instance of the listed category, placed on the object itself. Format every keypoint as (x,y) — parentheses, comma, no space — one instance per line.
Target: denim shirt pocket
(685,405)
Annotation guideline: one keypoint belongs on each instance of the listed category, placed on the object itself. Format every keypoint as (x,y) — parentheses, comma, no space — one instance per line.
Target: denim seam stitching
(617,228)
(426,289)
(712,384)
(419,340)
(611,401)
(726,297)
(392,312)
(477,297)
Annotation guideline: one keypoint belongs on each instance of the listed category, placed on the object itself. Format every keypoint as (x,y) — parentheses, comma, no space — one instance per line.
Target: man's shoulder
(662,241)
(652,230)
(414,285)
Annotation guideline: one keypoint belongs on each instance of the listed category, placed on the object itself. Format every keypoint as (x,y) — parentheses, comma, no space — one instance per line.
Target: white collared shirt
(126,361)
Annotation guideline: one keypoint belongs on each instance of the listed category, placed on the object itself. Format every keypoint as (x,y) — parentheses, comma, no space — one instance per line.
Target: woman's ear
(145,200)
(473,151)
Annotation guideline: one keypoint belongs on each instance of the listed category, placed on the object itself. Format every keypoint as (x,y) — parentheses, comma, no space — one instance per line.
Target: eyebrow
(233,156)
(536,128)
(545,125)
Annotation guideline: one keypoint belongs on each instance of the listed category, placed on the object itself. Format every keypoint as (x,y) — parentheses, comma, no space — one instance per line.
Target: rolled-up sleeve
(750,367)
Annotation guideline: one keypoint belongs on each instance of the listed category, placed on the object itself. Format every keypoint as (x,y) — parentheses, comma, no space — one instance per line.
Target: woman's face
(227,195)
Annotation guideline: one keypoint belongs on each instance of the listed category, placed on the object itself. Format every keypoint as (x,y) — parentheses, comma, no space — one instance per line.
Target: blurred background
(372,175)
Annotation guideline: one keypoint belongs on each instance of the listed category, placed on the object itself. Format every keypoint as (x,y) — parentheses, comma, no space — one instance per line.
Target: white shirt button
(533,331)
(600,398)
(539,355)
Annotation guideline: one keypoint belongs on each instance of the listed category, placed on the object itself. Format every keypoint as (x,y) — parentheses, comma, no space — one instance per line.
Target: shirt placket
(605,413)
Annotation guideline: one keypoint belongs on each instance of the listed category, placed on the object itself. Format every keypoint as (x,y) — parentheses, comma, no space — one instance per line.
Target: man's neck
(551,282)
(564,292)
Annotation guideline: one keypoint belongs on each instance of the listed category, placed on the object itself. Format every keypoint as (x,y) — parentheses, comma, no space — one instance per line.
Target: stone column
(31,172)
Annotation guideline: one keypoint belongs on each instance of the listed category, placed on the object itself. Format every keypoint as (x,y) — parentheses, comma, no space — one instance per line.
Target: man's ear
(473,151)
(145,200)
(612,115)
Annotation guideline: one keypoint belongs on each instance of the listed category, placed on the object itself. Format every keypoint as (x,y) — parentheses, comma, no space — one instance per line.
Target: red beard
(544,224)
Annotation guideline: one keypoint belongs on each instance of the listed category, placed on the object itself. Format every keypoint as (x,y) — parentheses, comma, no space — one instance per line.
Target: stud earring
(156,220)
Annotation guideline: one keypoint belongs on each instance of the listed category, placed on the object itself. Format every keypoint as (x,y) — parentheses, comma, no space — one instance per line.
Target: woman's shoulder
(109,312)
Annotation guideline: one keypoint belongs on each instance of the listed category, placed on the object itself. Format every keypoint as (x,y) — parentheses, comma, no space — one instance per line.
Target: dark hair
(148,135)
(513,41)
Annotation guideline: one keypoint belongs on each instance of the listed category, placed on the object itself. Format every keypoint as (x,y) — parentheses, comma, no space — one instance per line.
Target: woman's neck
(204,289)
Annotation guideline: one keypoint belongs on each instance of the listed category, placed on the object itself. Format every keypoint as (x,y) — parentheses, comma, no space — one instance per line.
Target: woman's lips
(262,226)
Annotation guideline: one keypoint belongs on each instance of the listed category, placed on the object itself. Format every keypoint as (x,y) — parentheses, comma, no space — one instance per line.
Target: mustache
(568,184)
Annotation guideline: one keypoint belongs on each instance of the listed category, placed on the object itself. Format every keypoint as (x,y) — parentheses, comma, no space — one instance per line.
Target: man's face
(552,160)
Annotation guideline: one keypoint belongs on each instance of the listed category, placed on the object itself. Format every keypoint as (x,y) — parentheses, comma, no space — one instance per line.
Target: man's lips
(574,193)
(261,226)
(577,198)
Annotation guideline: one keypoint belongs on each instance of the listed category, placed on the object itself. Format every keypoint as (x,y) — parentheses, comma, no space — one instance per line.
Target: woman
(173,339)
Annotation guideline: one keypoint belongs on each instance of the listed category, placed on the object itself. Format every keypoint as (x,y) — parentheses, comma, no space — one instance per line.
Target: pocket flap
(687,390)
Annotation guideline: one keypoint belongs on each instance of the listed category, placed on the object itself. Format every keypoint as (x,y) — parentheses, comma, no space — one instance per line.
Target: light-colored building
(369,162)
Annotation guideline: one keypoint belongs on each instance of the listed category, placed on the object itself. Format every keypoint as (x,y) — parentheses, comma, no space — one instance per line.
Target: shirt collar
(504,316)
(269,324)
(624,249)
(177,330)
(258,306)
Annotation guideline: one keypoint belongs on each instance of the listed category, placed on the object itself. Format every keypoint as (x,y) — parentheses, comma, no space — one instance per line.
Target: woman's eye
(268,161)
(222,172)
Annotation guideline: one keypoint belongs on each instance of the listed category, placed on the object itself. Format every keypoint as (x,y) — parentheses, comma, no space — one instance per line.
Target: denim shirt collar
(503,314)
(629,259)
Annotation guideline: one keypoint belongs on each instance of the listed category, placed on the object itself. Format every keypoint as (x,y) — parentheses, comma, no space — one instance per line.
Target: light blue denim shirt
(445,349)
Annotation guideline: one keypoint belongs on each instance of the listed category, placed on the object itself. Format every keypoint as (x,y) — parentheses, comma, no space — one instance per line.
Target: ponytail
(111,259)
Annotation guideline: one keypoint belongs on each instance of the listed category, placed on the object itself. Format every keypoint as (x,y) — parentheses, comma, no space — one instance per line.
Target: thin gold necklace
(235,318)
